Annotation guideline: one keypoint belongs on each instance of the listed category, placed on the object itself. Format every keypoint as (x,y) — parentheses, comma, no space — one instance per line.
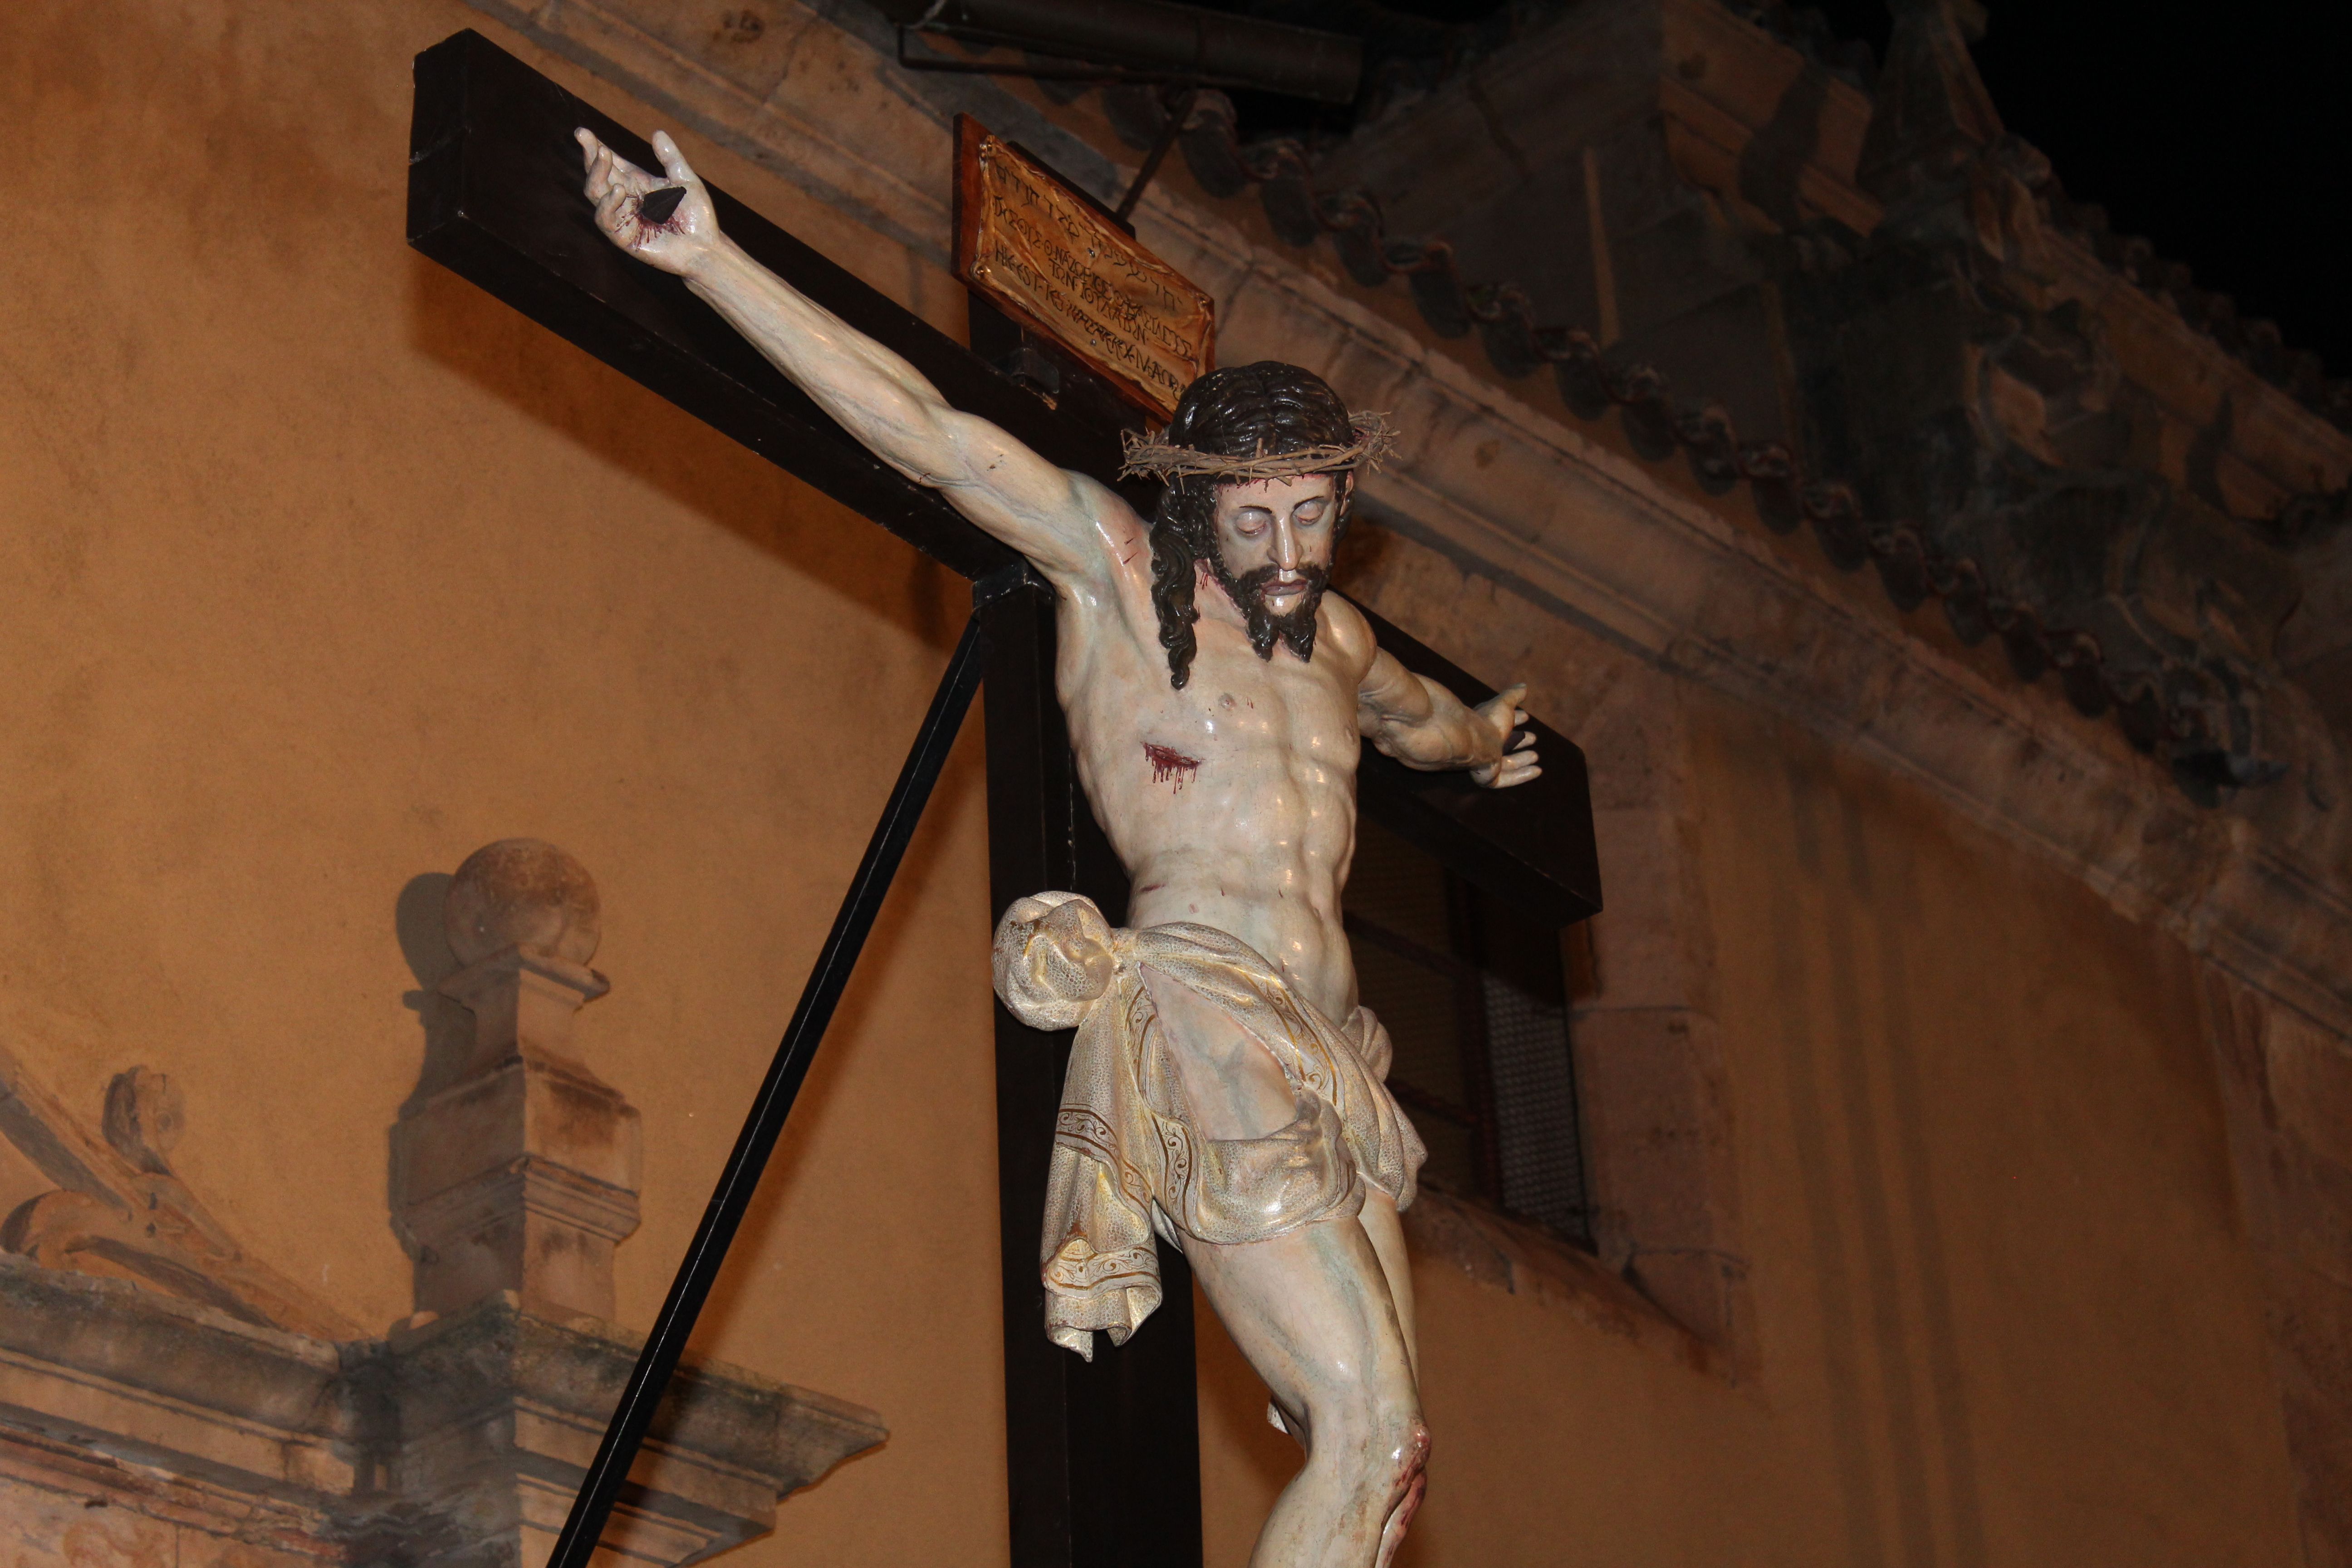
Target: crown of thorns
(1157,458)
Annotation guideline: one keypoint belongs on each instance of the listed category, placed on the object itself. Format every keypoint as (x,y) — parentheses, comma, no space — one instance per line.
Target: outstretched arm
(1420,724)
(1055,518)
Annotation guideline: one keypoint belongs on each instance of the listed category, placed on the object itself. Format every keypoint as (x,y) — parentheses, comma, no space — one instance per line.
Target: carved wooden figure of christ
(1102,1455)
(1223,1066)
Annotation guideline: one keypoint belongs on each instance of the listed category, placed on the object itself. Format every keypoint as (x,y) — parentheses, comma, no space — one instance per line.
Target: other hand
(617,186)
(1513,765)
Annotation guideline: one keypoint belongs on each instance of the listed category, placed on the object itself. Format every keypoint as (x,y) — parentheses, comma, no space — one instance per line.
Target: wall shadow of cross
(1103,1460)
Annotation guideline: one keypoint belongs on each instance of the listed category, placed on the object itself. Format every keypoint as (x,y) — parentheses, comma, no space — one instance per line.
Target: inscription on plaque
(1053,262)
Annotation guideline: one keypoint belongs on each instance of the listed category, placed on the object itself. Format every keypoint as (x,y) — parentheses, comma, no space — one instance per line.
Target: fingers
(604,164)
(1515,768)
(617,215)
(673,161)
(1503,710)
(608,171)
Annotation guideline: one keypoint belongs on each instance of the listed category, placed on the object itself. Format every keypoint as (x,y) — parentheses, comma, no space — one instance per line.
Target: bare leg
(1325,1314)
(1387,1235)
(1312,1312)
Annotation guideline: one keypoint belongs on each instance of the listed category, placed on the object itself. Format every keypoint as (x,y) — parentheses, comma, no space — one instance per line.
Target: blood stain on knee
(1412,1458)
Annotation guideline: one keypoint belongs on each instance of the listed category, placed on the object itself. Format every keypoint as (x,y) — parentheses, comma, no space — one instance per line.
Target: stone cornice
(1514,496)
(459,1432)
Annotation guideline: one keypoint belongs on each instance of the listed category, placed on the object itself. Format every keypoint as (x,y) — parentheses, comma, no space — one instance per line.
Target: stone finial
(521,1175)
(523,918)
(522,892)
(1933,112)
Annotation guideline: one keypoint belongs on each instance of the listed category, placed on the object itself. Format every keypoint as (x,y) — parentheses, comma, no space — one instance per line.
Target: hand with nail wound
(683,239)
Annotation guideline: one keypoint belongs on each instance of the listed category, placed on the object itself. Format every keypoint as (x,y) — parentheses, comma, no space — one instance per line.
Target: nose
(1285,544)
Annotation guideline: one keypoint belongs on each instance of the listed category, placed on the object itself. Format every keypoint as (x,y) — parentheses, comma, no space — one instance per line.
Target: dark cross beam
(1103,1459)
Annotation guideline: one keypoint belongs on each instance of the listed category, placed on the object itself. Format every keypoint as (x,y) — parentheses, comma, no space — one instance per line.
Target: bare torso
(1232,803)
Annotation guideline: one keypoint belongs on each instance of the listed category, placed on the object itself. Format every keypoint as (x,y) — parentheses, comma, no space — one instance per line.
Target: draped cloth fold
(1127,1160)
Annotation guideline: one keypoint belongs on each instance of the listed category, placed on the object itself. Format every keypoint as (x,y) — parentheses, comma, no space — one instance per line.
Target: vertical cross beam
(1102,1458)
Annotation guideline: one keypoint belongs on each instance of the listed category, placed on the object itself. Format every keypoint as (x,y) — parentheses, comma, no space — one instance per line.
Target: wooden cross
(1102,1457)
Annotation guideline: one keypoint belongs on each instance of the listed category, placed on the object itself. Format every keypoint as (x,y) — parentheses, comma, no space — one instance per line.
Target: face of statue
(1275,540)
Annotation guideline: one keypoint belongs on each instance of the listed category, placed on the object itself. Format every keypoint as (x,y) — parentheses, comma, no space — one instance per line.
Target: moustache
(1294,628)
(1250,588)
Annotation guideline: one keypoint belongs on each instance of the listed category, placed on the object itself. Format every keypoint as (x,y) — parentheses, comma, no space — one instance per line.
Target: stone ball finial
(521,892)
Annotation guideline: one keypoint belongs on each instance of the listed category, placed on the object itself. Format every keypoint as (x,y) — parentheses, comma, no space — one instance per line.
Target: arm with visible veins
(1065,522)
(1420,724)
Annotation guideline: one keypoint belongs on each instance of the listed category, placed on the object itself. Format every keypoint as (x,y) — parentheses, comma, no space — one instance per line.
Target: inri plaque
(1056,264)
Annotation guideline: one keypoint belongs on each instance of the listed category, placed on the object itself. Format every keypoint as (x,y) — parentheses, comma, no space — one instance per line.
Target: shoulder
(1347,634)
(1116,544)
(1107,583)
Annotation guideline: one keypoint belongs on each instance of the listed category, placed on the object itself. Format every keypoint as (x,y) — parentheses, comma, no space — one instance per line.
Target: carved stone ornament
(119,1212)
(150,1365)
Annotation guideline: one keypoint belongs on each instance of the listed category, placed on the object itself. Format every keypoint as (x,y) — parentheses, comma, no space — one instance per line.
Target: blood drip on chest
(1171,766)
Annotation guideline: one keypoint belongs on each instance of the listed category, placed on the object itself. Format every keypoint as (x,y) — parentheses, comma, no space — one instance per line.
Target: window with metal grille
(1474,998)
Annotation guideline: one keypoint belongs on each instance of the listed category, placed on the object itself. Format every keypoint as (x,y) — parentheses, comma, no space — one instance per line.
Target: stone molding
(453,1438)
(500,1410)
(1512,495)
(248,1411)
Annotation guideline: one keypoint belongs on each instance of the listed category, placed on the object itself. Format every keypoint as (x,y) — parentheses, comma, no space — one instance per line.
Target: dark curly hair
(1243,411)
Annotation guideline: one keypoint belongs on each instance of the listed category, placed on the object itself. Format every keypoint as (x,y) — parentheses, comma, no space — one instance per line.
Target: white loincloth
(1126,1158)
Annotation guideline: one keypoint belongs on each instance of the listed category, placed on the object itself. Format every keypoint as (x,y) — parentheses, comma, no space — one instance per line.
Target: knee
(1403,1448)
(1383,1441)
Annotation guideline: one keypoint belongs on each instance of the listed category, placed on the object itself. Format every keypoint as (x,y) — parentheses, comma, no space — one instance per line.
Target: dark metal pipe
(1186,42)
(1176,116)
(774,1103)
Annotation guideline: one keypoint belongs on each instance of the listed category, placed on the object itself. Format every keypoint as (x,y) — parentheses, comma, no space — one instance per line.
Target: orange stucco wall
(322,569)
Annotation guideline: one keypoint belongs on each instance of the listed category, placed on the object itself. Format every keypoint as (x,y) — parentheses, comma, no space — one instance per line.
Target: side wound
(1170,765)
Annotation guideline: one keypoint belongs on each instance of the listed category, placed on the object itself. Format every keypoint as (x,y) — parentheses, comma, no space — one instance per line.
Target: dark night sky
(2222,134)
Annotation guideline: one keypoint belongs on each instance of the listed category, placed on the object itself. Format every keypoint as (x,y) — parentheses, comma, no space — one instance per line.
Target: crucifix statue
(1226,1091)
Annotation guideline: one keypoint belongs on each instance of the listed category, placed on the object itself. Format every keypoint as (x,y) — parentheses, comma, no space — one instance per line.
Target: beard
(1295,629)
